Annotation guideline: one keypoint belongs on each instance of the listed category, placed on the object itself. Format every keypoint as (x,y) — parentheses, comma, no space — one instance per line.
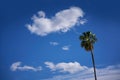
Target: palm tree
(87,41)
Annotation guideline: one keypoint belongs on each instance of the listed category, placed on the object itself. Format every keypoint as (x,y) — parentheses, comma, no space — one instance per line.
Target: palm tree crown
(87,40)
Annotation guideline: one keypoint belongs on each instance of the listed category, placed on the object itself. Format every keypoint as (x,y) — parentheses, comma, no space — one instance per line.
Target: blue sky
(39,39)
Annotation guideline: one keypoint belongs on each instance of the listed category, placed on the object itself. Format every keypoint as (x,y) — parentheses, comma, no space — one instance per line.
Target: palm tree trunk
(93,64)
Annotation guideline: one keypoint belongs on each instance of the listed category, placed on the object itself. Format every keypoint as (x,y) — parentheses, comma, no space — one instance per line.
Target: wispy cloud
(83,21)
(54,43)
(17,66)
(66,48)
(71,67)
(108,73)
(63,21)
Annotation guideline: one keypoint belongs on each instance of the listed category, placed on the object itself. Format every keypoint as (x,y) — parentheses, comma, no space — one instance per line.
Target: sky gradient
(39,40)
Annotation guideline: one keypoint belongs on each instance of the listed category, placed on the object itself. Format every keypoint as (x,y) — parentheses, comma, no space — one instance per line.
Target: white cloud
(108,73)
(51,66)
(66,48)
(71,67)
(63,21)
(14,66)
(17,66)
(83,21)
(54,43)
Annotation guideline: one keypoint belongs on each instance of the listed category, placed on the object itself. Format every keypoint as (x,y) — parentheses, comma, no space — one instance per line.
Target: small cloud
(71,67)
(50,65)
(63,21)
(66,48)
(83,21)
(54,43)
(17,66)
